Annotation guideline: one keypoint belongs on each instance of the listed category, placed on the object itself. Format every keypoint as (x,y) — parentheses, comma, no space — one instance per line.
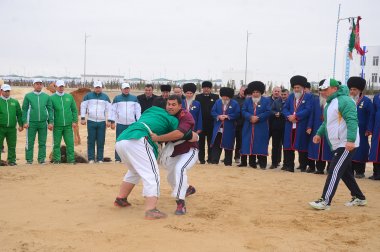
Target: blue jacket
(302,112)
(229,125)
(374,127)
(315,152)
(196,112)
(255,137)
(364,108)
(96,106)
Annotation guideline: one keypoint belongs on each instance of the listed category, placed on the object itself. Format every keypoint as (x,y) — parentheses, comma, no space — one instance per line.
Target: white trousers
(177,172)
(138,156)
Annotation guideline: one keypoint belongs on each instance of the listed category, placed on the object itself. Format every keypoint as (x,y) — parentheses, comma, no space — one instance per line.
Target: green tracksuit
(10,115)
(37,112)
(65,114)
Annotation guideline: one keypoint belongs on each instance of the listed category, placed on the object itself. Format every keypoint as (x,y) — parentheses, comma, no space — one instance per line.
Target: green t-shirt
(157,119)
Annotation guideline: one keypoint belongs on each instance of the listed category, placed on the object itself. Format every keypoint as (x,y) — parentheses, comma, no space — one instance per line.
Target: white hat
(125,85)
(98,84)
(60,83)
(37,81)
(5,87)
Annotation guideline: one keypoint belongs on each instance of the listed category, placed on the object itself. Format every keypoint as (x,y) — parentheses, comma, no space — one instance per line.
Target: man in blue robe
(225,112)
(374,154)
(256,113)
(364,108)
(297,110)
(193,106)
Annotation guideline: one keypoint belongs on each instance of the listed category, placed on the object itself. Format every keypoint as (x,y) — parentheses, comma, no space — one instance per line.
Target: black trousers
(254,160)
(237,142)
(202,142)
(277,139)
(289,157)
(340,168)
(359,168)
(216,151)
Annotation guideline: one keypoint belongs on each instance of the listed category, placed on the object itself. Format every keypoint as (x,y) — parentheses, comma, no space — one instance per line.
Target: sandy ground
(70,208)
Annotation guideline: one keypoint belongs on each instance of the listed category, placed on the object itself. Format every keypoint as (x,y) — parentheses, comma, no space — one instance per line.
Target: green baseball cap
(328,83)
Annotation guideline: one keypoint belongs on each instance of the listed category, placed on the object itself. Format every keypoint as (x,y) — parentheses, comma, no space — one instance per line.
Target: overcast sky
(180,39)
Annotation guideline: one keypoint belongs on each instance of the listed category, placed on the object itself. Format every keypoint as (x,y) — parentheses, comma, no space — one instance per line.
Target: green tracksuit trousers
(10,134)
(67,133)
(34,128)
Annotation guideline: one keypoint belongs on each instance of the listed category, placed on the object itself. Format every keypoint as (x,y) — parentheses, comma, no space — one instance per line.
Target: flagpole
(336,40)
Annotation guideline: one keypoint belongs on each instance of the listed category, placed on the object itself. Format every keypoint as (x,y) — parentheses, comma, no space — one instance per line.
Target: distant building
(371,67)
(102,78)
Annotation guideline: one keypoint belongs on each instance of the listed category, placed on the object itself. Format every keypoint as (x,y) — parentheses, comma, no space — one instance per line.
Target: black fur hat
(356,82)
(189,87)
(226,91)
(207,84)
(164,88)
(256,86)
(298,80)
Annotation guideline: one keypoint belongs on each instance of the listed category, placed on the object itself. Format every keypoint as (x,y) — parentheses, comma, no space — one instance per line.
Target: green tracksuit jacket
(10,115)
(64,113)
(37,112)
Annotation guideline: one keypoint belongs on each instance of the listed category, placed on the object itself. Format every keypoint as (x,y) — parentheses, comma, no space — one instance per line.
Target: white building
(371,66)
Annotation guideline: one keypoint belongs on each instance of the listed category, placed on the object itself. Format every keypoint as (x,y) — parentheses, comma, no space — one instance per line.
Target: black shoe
(284,168)
(253,165)
(319,172)
(273,166)
(290,169)
(298,168)
(242,165)
(310,170)
(303,170)
(359,176)
(202,162)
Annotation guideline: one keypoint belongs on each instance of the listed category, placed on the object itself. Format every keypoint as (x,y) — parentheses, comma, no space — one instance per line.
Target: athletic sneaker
(320,204)
(100,162)
(181,208)
(91,161)
(121,202)
(356,202)
(154,214)
(29,162)
(190,190)
(117,162)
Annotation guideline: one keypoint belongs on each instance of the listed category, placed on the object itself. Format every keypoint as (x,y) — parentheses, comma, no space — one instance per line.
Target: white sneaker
(91,161)
(117,162)
(356,202)
(320,204)
(100,162)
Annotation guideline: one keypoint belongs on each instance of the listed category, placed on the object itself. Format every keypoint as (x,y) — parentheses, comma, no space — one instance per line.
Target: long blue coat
(364,108)
(196,112)
(302,112)
(229,125)
(374,154)
(255,138)
(315,121)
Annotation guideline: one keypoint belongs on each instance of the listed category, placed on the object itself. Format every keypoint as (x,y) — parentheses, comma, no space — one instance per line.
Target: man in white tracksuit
(340,126)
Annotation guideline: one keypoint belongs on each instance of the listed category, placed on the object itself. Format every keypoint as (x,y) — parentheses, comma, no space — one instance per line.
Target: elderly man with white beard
(193,106)
(297,110)
(225,113)
(256,113)
(364,109)
(318,153)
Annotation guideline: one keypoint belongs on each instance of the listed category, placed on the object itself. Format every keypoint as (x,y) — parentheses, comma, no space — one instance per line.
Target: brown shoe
(121,202)
(154,214)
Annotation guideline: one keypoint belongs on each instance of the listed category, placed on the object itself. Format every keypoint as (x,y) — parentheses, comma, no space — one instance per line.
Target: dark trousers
(96,135)
(289,157)
(216,151)
(254,160)
(237,143)
(202,142)
(119,129)
(340,168)
(359,168)
(320,165)
(277,138)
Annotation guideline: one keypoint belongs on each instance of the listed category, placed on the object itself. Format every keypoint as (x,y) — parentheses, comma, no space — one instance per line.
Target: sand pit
(70,208)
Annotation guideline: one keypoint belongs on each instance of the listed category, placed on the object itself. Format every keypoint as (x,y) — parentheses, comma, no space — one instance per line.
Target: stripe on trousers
(182,169)
(152,166)
(26,140)
(334,175)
